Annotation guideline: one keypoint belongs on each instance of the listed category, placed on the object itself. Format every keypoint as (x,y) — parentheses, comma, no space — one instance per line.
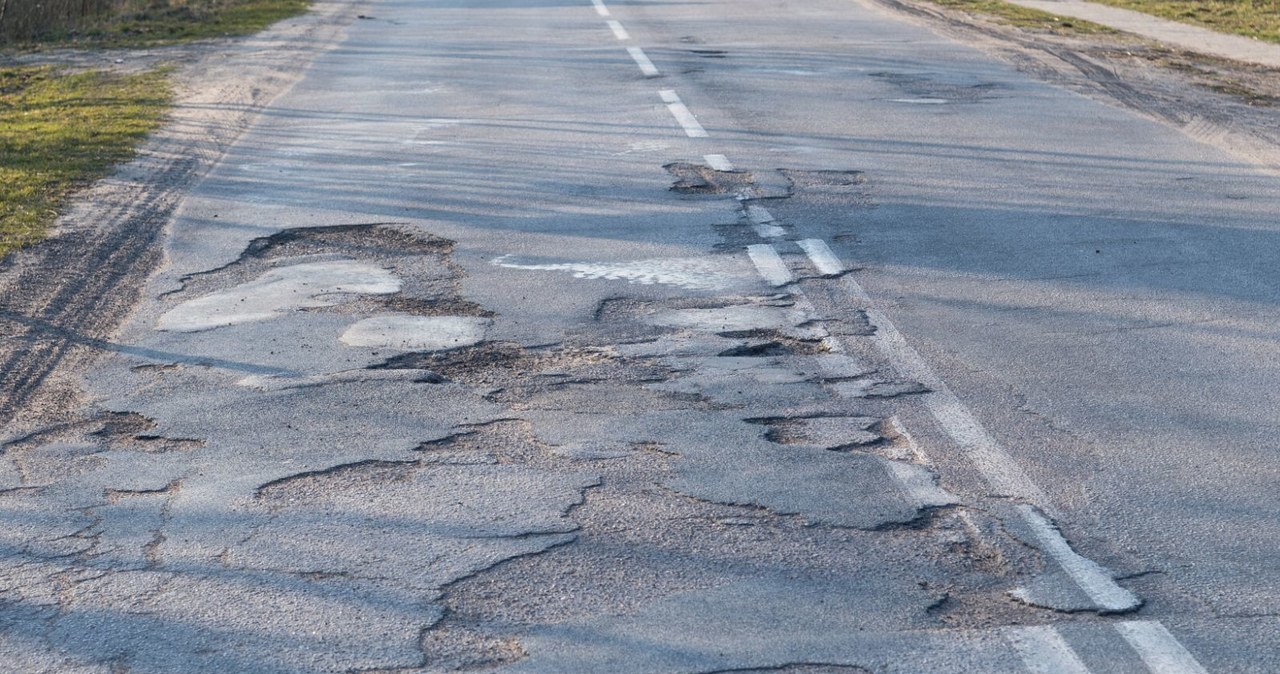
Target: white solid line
(762,221)
(822,257)
(686,119)
(1092,578)
(600,8)
(618,31)
(1158,648)
(718,162)
(769,264)
(1000,470)
(646,66)
(1044,651)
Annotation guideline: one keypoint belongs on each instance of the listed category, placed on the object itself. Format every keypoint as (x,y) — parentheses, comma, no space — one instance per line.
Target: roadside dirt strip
(60,301)
(416,383)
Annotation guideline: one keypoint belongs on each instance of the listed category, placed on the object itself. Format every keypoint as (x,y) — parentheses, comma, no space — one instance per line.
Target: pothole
(702,179)
(110,430)
(835,433)
(771,343)
(417,263)
(491,364)
(925,89)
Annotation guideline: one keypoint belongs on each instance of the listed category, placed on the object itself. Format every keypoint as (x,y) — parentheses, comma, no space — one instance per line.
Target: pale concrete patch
(278,291)
(416,333)
(736,318)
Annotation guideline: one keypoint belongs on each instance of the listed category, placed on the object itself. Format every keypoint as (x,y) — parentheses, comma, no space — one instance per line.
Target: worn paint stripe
(1044,651)
(823,259)
(618,31)
(763,222)
(718,162)
(770,265)
(600,8)
(1092,578)
(646,66)
(685,118)
(1159,649)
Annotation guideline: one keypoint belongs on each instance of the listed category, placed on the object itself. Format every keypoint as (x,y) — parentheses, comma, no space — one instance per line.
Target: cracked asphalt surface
(574,337)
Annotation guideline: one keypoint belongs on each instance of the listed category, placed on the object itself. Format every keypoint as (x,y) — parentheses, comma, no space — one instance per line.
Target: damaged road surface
(653,338)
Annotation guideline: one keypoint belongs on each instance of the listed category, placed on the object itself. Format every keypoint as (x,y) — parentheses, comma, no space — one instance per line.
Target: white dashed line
(1044,651)
(769,264)
(1093,579)
(718,162)
(646,66)
(600,8)
(618,31)
(763,222)
(820,254)
(1158,648)
(686,119)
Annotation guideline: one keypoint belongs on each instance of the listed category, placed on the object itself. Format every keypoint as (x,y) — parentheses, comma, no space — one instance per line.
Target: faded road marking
(646,66)
(718,162)
(692,273)
(618,31)
(1158,648)
(1044,651)
(1092,578)
(600,8)
(763,222)
(770,265)
(686,119)
(921,489)
(823,259)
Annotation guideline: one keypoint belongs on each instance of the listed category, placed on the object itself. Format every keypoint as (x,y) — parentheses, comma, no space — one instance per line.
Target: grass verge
(59,131)
(162,22)
(1253,18)
(1023,17)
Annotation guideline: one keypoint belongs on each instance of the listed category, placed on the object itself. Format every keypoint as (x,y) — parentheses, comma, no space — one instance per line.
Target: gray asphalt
(466,358)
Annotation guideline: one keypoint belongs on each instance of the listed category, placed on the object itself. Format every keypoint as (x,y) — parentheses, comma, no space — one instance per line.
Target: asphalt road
(658,337)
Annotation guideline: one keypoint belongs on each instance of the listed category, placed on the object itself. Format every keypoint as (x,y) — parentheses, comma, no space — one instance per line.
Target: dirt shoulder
(1224,103)
(62,299)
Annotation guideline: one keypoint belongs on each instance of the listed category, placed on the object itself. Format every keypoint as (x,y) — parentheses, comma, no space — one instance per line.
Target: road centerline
(642,60)
(692,128)
(618,31)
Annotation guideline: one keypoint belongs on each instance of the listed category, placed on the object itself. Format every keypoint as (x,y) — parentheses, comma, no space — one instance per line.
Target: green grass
(1253,18)
(59,131)
(1023,17)
(161,22)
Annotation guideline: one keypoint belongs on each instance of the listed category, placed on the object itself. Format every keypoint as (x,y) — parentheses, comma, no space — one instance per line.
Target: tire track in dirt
(62,299)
